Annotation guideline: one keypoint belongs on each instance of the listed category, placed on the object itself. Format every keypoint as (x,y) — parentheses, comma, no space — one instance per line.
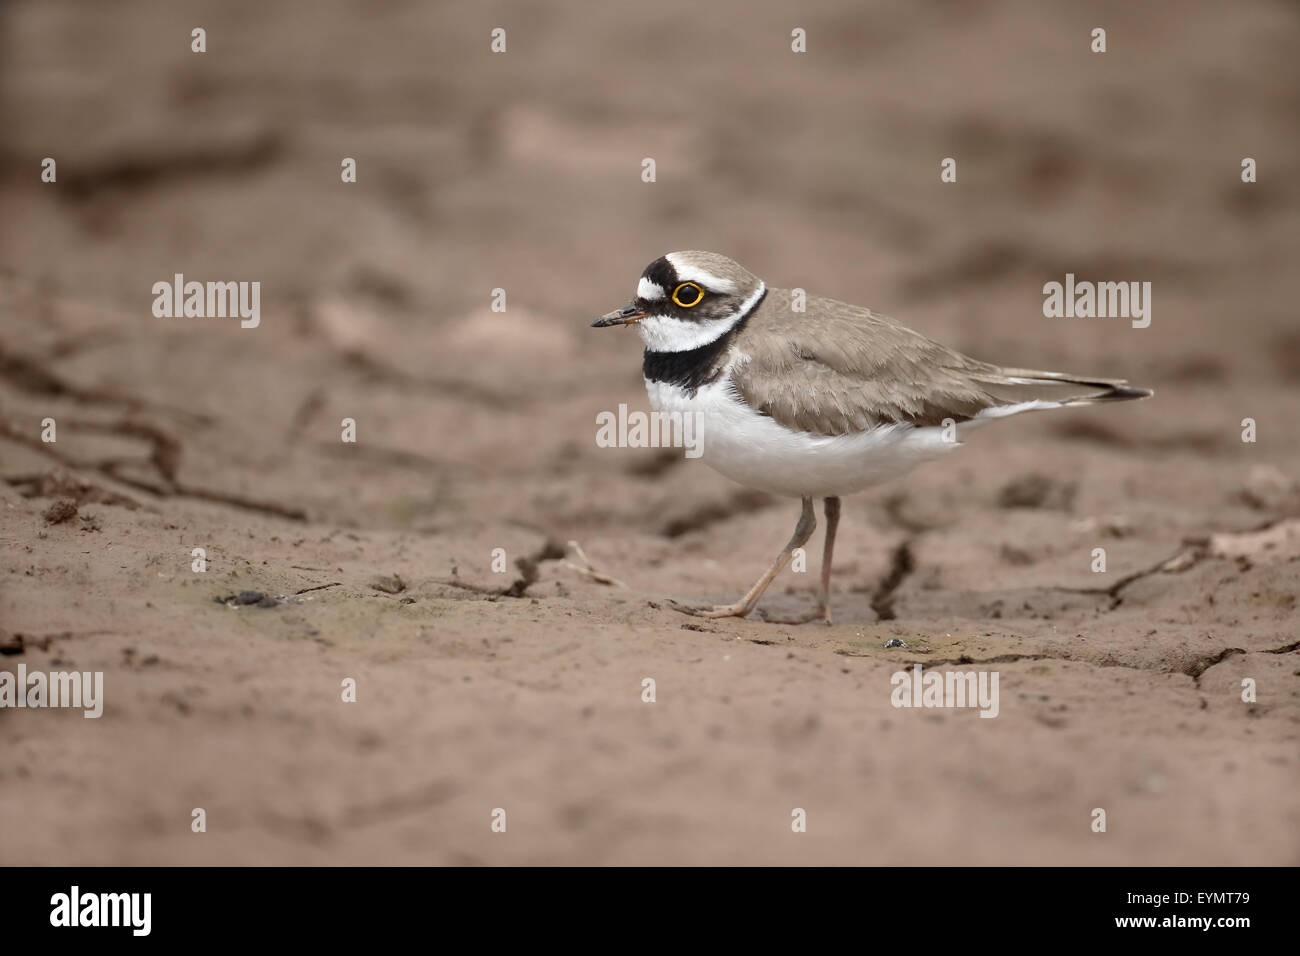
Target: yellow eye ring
(699,295)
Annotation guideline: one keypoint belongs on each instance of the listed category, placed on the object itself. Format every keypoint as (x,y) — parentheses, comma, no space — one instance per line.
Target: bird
(819,402)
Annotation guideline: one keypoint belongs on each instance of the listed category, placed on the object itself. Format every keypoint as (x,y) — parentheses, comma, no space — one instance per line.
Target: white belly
(754,450)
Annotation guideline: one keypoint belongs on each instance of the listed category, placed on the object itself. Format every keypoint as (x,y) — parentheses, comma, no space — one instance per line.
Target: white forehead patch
(690,273)
(645,289)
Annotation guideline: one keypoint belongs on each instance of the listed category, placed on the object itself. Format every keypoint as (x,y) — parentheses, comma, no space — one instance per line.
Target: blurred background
(522,171)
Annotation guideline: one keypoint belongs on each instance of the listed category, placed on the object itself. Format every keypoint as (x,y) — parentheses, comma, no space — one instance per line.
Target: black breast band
(694,368)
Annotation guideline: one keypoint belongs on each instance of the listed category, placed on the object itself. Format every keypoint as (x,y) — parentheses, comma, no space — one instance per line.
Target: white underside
(757,452)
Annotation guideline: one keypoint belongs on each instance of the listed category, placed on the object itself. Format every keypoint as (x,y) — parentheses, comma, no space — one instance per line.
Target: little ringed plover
(820,403)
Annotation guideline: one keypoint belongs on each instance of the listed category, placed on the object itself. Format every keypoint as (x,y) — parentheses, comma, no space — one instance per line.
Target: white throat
(667,333)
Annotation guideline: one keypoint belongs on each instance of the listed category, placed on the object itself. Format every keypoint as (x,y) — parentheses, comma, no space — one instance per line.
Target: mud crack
(164,456)
(29,375)
(902,563)
(1183,560)
(740,503)
(530,567)
(1196,668)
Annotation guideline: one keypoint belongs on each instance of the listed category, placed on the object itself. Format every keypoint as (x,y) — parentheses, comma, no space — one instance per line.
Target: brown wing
(840,368)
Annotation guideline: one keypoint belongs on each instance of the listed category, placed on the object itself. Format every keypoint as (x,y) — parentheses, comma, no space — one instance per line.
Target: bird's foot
(716,610)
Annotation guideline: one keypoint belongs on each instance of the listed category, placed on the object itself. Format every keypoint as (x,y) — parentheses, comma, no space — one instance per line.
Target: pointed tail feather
(1017,385)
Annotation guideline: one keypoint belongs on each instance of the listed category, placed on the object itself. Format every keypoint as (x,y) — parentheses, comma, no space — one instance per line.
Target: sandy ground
(522,690)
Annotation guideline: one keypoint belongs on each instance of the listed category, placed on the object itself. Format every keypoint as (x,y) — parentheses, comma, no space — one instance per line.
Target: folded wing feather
(857,370)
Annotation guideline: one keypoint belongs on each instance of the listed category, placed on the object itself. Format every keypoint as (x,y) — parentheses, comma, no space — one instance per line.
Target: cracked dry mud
(522,688)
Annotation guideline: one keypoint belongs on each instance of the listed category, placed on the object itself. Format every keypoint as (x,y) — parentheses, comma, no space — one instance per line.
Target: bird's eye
(688,295)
